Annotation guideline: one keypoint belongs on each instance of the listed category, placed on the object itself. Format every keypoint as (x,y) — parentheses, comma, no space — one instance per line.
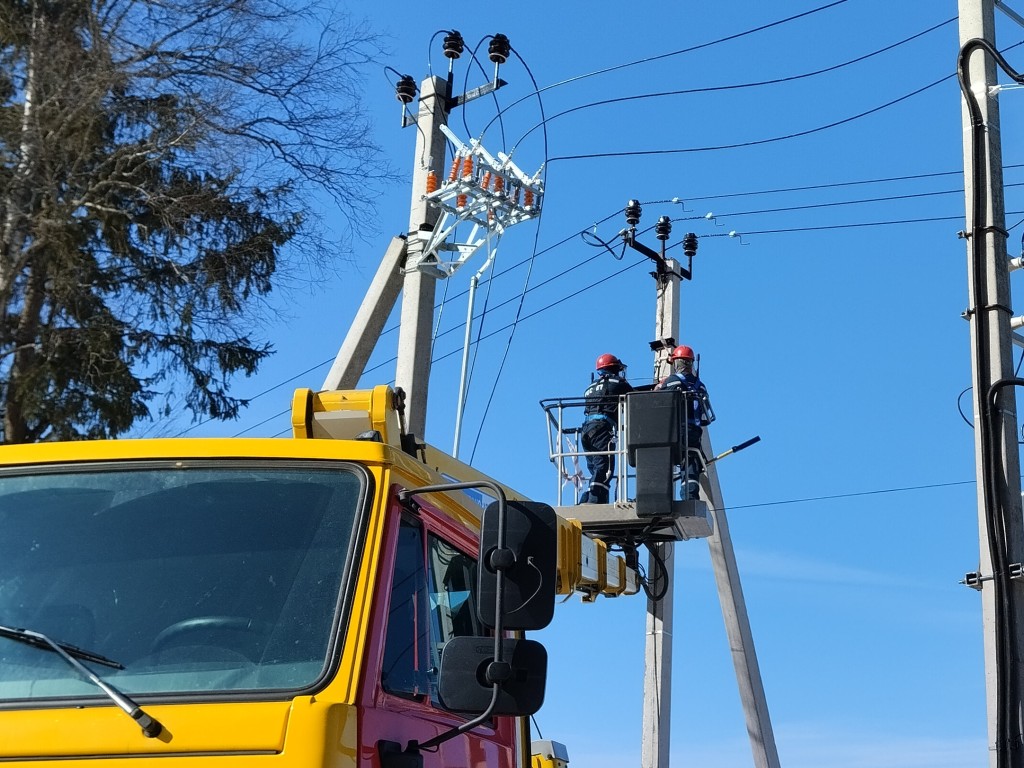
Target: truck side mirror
(468,674)
(529,561)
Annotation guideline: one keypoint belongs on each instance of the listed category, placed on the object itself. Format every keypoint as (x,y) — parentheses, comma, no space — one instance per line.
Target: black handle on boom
(662,230)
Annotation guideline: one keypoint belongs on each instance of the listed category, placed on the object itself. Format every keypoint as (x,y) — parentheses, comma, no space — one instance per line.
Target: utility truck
(345,597)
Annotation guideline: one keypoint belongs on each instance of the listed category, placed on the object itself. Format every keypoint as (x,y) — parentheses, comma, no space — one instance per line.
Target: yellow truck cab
(313,601)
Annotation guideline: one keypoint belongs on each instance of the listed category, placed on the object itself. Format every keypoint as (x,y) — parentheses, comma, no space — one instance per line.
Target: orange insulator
(485,183)
(454,172)
(490,215)
(431,182)
(528,198)
(499,184)
(460,201)
(467,167)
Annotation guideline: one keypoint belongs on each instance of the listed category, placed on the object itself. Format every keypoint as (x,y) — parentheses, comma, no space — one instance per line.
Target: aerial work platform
(619,521)
(627,520)
(646,454)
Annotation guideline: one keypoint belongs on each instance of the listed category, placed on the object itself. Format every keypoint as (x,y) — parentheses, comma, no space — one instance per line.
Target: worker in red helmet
(696,415)
(601,425)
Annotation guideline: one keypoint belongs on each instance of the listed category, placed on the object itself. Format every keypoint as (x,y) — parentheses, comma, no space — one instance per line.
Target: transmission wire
(691,49)
(738,86)
(529,272)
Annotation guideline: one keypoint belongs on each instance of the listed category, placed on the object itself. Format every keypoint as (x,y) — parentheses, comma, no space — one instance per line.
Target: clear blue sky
(835,336)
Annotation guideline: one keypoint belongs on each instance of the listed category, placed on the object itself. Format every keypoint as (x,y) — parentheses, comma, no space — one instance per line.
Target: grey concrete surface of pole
(412,372)
(998,465)
(654,747)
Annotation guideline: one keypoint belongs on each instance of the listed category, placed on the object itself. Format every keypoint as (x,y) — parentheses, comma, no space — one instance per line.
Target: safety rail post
(555,410)
(621,463)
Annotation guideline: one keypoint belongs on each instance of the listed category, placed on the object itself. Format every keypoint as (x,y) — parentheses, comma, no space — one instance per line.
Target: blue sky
(835,336)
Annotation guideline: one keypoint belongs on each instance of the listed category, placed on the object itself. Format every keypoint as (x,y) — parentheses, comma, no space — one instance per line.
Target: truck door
(426,599)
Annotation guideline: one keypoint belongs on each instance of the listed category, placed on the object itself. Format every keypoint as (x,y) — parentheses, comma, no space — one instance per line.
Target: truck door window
(452,608)
(406,661)
(431,602)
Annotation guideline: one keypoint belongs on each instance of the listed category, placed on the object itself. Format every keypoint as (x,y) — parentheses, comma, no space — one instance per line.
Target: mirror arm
(499,600)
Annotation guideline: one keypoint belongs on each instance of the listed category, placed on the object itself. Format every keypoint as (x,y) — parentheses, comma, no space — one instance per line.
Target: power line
(658,57)
(277,415)
(266,391)
(780,502)
(529,274)
(757,142)
(738,86)
(574,267)
(828,227)
(853,494)
(837,203)
(446,355)
(838,184)
(779,190)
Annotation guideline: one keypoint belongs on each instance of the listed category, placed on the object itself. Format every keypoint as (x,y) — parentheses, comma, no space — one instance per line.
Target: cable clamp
(968,313)
(993,229)
(975,580)
(1001,307)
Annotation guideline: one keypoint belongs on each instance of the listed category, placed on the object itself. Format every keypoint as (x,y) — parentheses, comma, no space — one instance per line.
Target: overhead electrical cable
(266,391)
(838,184)
(760,142)
(277,415)
(854,494)
(639,263)
(583,263)
(494,94)
(834,204)
(995,511)
(483,316)
(828,227)
(529,273)
(756,142)
(584,289)
(658,57)
(580,264)
(737,86)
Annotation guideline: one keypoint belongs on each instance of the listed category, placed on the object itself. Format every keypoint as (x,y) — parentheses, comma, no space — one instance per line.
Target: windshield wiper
(151,727)
(41,641)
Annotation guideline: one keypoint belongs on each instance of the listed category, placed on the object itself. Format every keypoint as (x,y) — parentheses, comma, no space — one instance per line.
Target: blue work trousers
(598,434)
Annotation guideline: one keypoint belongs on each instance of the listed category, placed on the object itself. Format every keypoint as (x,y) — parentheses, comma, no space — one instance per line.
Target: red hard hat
(608,361)
(682,352)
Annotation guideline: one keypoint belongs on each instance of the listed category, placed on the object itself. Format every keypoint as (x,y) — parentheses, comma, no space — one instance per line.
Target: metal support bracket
(976,581)
(492,194)
(661,263)
(458,101)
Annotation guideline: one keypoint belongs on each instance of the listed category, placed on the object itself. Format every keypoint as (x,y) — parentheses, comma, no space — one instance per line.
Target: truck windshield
(194,579)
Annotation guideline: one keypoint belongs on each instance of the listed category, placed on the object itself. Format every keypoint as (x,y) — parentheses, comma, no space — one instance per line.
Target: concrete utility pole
(657,716)
(657,710)
(412,372)
(737,628)
(992,359)
(368,324)
(488,194)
